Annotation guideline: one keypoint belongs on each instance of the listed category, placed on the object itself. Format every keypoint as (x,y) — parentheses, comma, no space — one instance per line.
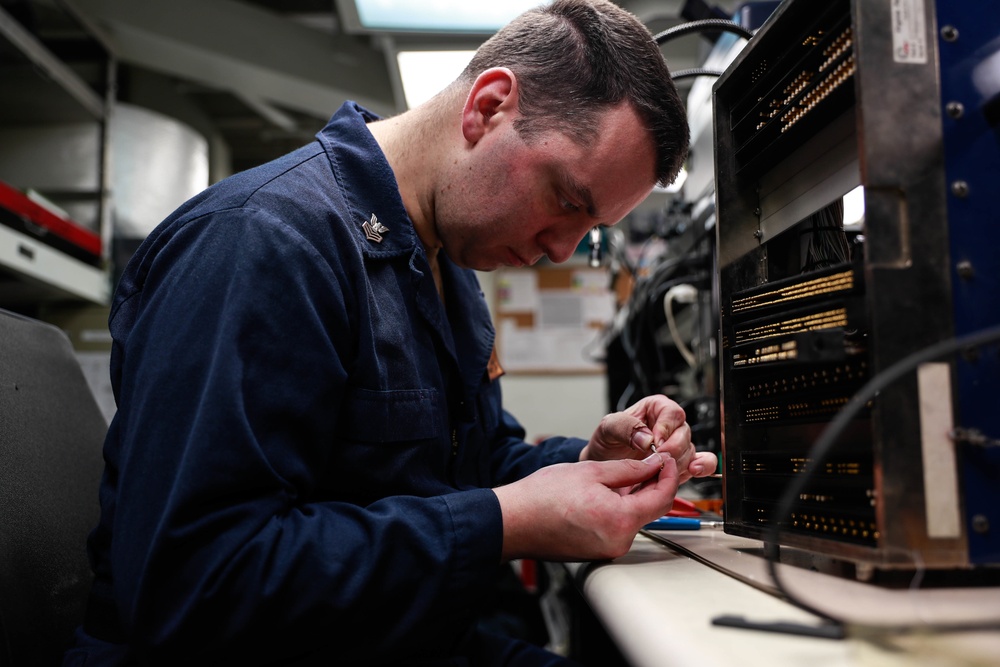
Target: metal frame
(969,47)
(889,140)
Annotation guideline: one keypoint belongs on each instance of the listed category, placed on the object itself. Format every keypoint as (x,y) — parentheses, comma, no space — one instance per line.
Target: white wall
(556,405)
(551,404)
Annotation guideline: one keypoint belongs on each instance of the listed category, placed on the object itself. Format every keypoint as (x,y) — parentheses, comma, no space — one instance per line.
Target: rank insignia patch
(374,229)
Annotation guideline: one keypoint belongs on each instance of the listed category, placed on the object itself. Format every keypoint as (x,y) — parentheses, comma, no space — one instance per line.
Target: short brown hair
(574,59)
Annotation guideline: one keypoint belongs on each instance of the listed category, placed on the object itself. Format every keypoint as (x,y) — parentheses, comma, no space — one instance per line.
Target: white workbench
(658,603)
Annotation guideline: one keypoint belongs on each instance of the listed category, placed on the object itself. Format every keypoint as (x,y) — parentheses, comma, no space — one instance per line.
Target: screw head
(955,109)
(965,270)
(981,524)
(949,33)
(960,189)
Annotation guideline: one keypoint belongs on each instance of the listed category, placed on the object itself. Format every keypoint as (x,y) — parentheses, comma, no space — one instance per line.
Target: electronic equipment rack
(890,97)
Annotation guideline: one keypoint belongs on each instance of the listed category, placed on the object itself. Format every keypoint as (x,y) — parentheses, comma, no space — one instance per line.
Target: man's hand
(578,511)
(653,421)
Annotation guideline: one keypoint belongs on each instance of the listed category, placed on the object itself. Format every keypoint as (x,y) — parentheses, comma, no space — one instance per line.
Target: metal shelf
(45,93)
(48,274)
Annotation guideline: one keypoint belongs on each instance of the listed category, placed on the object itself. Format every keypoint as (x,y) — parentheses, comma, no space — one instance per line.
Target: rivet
(955,109)
(965,270)
(980,524)
(949,33)
(960,189)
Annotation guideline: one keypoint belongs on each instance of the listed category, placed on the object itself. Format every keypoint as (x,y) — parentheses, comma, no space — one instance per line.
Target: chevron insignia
(374,229)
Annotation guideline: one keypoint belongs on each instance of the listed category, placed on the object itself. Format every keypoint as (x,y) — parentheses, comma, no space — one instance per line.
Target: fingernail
(654,459)
(641,439)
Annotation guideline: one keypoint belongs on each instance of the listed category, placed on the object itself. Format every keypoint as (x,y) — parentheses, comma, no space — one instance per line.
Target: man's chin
(487,267)
(478,264)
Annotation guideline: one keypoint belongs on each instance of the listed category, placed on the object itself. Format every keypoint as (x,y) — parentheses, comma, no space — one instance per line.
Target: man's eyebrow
(581,192)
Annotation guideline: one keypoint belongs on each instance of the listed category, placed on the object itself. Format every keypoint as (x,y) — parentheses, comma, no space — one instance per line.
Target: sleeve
(230,383)
(513,458)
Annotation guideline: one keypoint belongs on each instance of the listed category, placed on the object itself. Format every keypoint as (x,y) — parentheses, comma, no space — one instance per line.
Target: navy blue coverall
(299,470)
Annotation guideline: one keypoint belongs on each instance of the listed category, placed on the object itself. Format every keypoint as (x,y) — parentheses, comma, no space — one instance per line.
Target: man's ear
(492,99)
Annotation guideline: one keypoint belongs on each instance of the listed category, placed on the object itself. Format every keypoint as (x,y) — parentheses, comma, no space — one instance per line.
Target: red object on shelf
(682,507)
(65,229)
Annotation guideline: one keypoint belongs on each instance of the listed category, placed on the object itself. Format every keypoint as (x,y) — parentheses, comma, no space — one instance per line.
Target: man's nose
(563,245)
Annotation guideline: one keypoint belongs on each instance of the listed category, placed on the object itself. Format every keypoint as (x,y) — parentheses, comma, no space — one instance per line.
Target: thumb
(627,472)
(624,429)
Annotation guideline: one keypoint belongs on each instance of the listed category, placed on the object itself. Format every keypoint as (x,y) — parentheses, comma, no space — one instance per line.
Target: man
(310,463)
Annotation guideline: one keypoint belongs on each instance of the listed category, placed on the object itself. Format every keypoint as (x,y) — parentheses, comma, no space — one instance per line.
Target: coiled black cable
(704,25)
(692,73)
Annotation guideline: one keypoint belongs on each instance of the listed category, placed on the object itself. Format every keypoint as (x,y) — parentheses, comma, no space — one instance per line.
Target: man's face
(509,203)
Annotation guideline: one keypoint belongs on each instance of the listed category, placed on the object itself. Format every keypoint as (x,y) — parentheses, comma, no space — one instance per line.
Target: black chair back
(51,435)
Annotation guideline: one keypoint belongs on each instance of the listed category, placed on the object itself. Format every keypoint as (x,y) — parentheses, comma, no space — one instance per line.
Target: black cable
(634,326)
(646,296)
(634,323)
(693,73)
(704,25)
(833,431)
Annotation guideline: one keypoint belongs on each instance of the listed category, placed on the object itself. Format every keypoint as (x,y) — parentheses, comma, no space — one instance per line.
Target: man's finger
(704,463)
(621,427)
(678,444)
(663,415)
(654,497)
